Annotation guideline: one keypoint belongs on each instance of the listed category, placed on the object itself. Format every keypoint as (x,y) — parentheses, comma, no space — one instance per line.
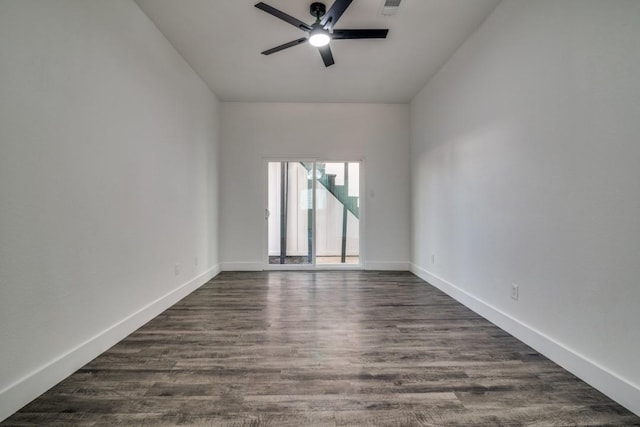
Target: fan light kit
(319,38)
(321,32)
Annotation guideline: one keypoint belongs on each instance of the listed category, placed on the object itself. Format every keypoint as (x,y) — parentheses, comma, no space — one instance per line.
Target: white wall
(525,170)
(108,177)
(379,134)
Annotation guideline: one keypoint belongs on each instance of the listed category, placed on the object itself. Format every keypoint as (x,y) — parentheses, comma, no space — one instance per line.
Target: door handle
(267,214)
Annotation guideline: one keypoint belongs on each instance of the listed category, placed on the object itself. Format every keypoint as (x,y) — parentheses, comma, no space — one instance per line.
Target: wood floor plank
(321,349)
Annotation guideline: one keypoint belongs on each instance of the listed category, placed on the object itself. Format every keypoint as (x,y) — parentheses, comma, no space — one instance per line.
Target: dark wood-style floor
(321,349)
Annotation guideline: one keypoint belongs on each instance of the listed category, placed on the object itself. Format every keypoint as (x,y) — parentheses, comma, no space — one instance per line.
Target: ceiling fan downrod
(317,10)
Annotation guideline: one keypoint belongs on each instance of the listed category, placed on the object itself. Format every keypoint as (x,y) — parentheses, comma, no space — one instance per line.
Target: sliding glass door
(313,214)
(337,213)
(290,213)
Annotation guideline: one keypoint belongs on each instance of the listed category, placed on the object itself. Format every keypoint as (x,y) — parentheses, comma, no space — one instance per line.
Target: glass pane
(290,222)
(338,213)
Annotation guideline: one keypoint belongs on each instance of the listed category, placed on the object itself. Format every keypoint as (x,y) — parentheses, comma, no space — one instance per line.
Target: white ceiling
(222,41)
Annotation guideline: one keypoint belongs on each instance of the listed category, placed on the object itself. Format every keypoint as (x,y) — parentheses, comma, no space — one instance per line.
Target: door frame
(313,266)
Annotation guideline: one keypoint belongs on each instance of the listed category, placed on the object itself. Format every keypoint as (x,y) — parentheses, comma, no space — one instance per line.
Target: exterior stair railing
(340,192)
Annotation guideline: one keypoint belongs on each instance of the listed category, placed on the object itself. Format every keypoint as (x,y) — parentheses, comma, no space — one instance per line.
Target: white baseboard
(387,265)
(242,266)
(23,391)
(617,388)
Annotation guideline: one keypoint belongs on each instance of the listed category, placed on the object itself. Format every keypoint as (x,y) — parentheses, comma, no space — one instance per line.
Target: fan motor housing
(317,9)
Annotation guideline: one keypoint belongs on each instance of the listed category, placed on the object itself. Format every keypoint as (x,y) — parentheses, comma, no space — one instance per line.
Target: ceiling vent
(390,7)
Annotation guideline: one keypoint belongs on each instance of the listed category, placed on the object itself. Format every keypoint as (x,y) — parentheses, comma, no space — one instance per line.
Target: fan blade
(359,34)
(327,56)
(333,14)
(286,18)
(285,46)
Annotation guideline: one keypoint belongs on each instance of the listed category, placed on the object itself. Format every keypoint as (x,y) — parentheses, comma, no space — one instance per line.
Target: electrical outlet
(177,269)
(515,290)
(433,258)
(195,261)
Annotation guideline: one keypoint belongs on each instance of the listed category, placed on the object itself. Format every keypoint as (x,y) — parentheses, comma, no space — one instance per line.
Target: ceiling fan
(321,32)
